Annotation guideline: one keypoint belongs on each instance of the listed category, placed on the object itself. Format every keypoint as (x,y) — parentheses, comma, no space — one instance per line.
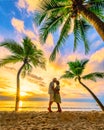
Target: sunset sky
(16,21)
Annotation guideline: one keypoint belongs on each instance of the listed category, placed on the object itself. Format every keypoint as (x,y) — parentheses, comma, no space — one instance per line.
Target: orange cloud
(98,56)
(20,28)
(49,41)
(30,5)
(96,62)
(18,24)
(29,33)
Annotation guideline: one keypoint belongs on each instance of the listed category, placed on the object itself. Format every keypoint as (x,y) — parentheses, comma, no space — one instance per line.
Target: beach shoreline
(43,120)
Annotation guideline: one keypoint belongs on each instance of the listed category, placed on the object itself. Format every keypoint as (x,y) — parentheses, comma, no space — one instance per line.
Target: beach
(43,120)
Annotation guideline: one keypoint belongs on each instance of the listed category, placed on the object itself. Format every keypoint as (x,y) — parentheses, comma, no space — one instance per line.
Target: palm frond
(27,69)
(39,17)
(63,1)
(28,46)
(56,15)
(27,53)
(98,11)
(77,37)
(68,74)
(50,26)
(93,76)
(78,66)
(96,4)
(37,59)
(83,32)
(51,14)
(63,36)
(10,59)
(13,46)
(52,6)
(84,62)
(80,33)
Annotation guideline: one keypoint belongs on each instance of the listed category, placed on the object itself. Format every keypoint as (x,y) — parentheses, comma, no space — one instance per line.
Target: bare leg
(49,108)
(59,108)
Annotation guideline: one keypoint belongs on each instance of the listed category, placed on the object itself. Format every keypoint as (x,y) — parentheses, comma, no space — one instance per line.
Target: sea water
(43,105)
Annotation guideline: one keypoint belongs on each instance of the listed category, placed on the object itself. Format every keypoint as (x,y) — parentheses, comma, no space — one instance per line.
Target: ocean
(43,105)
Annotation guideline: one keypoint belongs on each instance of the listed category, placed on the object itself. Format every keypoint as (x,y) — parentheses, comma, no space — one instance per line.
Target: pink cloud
(1,38)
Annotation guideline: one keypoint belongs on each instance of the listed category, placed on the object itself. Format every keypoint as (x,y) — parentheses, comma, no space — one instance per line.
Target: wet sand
(67,120)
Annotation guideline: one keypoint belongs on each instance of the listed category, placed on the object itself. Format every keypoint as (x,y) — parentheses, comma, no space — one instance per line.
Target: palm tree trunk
(93,19)
(18,88)
(93,95)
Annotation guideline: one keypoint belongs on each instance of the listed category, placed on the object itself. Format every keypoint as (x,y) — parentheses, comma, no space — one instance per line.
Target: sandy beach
(67,120)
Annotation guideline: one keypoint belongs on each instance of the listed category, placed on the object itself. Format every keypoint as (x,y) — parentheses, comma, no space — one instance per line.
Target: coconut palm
(70,16)
(75,71)
(28,54)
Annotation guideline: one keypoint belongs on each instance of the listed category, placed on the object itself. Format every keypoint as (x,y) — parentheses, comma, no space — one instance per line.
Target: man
(51,93)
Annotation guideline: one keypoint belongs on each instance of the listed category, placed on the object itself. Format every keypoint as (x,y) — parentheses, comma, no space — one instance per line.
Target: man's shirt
(50,90)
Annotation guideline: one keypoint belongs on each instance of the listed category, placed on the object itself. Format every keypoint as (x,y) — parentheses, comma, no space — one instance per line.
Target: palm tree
(73,16)
(75,71)
(28,54)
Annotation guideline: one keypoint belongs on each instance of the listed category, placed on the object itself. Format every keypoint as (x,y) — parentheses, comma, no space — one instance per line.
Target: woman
(57,97)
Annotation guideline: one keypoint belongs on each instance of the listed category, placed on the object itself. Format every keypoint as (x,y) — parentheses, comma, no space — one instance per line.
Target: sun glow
(23,94)
(20,105)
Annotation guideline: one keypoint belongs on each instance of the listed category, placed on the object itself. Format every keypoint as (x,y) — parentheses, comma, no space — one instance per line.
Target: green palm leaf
(28,47)
(77,67)
(68,74)
(50,27)
(93,76)
(83,31)
(10,59)
(39,17)
(96,4)
(80,33)
(64,34)
(27,69)
(12,46)
(77,37)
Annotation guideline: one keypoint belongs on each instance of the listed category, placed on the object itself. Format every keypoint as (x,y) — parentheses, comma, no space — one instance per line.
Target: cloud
(98,56)
(74,56)
(96,62)
(49,41)
(29,5)
(36,80)
(34,76)
(20,28)
(29,33)
(22,3)
(11,69)
(7,98)
(18,24)
(3,84)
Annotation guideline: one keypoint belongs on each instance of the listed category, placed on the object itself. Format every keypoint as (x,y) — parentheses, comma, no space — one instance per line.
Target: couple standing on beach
(54,88)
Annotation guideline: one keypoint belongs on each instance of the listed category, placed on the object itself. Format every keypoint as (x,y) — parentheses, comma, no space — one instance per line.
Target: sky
(16,21)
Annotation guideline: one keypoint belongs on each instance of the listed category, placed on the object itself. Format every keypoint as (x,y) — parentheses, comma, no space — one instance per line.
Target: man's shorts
(51,97)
